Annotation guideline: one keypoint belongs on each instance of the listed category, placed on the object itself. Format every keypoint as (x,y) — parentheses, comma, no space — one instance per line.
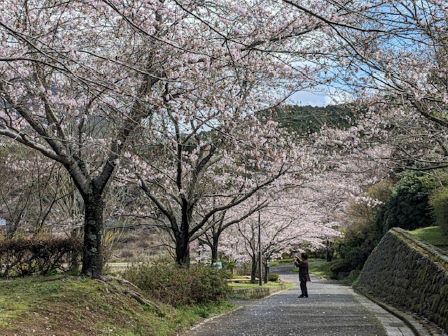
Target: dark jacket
(304,274)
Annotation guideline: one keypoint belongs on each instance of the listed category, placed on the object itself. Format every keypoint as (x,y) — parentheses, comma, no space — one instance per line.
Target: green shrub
(408,207)
(229,266)
(405,205)
(439,207)
(177,286)
(364,233)
(355,246)
(340,266)
(273,277)
(37,255)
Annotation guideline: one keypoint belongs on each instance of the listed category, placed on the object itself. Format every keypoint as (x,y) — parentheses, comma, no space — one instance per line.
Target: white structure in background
(5,227)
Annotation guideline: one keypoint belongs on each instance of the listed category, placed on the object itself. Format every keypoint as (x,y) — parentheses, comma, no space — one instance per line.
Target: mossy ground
(432,235)
(76,306)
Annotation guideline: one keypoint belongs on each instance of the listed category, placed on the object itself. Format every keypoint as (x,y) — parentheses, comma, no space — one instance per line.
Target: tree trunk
(92,261)
(183,252)
(253,273)
(74,255)
(214,248)
(183,237)
(328,251)
(266,272)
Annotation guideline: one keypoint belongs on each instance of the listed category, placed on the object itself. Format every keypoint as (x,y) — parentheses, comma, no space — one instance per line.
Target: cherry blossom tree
(196,180)
(248,57)
(77,79)
(406,65)
(315,209)
(176,84)
(283,225)
(75,83)
(33,192)
(221,222)
(393,62)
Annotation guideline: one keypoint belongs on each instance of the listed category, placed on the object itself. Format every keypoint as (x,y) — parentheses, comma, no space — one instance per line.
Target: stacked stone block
(408,274)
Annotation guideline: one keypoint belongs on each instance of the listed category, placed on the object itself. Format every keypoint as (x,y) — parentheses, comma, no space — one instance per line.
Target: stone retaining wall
(408,274)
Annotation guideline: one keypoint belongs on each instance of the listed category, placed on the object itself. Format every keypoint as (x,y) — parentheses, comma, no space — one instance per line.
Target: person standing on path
(304,275)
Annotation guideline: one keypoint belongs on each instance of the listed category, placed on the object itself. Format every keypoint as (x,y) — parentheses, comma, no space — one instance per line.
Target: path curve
(331,310)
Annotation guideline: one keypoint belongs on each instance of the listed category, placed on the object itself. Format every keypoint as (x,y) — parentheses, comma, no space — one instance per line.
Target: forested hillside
(310,119)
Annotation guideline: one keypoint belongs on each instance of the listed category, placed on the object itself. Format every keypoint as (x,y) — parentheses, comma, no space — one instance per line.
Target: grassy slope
(73,306)
(317,267)
(320,268)
(432,235)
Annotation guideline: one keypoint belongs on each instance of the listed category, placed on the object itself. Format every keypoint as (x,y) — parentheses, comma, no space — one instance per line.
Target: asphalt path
(330,310)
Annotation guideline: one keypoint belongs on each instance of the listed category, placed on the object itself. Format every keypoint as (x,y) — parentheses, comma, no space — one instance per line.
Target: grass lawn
(281,261)
(320,268)
(75,306)
(432,235)
(274,285)
(249,291)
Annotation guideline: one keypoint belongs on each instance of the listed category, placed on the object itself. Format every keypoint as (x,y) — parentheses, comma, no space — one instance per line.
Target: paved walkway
(331,310)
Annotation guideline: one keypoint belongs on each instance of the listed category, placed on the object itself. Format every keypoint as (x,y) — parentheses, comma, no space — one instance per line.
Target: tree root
(131,290)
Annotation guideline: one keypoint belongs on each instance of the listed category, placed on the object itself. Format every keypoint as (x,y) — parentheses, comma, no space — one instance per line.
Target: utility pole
(260,265)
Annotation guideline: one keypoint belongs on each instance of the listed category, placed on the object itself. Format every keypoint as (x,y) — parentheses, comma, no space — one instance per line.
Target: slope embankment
(408,274)
(64,305)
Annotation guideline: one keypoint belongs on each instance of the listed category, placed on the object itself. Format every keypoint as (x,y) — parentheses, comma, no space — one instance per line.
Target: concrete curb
(407,319)
(275,293)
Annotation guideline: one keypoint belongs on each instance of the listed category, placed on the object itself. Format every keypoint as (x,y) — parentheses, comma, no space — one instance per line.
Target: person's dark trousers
(303,288)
